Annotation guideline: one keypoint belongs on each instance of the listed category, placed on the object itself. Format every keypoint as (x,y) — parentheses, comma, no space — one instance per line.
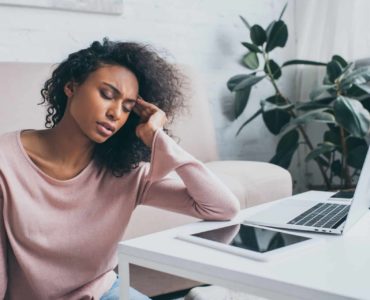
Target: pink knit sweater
(58,238)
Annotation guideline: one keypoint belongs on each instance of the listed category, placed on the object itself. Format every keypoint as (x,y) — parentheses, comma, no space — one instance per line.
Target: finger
(141,110)
(144,116)
(145,104)
(137,111)
(146,111)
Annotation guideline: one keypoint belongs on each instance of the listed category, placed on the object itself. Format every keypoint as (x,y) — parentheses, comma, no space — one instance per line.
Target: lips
(105,129)
(107,126)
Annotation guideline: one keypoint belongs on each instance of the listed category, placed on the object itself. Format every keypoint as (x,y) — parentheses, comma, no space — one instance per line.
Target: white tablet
(252,241)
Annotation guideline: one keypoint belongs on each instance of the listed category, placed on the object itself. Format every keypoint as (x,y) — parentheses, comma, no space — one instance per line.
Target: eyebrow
(117,92)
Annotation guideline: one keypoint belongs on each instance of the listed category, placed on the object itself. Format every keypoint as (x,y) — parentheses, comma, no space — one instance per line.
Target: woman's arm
(198,192)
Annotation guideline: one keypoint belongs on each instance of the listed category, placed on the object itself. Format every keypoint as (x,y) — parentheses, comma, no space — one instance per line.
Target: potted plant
(341,103)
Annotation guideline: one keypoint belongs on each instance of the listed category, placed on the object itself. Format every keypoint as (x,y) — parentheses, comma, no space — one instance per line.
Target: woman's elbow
(233,209)
(226,212)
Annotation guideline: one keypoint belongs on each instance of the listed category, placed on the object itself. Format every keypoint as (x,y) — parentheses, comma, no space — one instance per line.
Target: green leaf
(313,105)
(250,60)
(283,11)
(248,82)
(356,154)
(241,100)
(350,114)
(275,118)
(256,114)
(287,140)
(358,90)
(285,149)
(357,76)
(278,36)
(245,22)
(333,136)
(318,115)
(274,68)
(322,161)
(354,142)
(251,47)
(334,70)
(235,80)
(356,158)
(258,35)
(269,28)
(340,60)
(347,70)
(321,149)
(320,90)
(336,168)
(364,87)
(267,106)
(303,62)
(366,103)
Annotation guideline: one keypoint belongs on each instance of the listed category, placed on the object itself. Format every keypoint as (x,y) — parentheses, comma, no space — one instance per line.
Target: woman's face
(101,105)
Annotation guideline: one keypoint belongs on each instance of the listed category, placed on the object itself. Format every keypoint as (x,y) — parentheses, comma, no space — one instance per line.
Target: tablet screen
(252,238)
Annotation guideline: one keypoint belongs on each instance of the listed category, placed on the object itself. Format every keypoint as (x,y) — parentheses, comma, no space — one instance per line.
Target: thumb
(138,130)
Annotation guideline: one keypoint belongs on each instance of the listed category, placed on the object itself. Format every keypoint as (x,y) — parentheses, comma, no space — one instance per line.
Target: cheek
(82,110)
(123,120)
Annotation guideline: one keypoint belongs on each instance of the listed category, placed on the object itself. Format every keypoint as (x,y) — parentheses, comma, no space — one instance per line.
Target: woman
(67,192)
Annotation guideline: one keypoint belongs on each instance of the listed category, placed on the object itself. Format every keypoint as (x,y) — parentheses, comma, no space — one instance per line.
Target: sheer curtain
(324,28)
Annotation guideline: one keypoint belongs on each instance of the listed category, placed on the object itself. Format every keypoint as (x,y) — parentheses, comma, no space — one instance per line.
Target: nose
(113,112)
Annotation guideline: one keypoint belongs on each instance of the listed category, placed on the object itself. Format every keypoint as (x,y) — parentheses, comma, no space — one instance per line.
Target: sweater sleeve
(194,191)
(3,251)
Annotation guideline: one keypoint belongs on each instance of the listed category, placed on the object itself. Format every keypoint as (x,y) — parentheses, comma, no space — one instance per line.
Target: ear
(69,88)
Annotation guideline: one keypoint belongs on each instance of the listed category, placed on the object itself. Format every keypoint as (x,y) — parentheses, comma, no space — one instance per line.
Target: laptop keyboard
(324,215)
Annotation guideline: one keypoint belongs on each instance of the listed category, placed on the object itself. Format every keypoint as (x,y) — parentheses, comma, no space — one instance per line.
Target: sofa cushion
(253,182)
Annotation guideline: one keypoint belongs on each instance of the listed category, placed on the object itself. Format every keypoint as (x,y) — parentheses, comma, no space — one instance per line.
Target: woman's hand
(151,119)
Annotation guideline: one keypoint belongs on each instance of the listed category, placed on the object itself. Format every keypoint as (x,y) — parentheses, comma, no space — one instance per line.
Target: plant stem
(309,144)
(332,158)
(270,75)
(292,113)
(345,169)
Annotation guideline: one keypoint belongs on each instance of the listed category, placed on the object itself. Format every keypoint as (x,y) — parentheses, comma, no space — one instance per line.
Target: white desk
(338,268)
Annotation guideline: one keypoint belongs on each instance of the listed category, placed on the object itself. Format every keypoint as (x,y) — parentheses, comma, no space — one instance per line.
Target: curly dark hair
(160,83)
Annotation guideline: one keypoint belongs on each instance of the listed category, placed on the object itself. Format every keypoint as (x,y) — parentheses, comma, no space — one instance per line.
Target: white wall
(205,34)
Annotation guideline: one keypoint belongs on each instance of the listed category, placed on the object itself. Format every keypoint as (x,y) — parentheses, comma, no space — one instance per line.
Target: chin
(100,139)
(97,138)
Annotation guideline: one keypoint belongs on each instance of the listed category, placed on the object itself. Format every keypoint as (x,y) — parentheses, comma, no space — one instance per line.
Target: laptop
(327,212)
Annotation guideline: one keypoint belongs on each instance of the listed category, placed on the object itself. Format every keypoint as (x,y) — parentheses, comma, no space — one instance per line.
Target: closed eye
(128,106)
(126,110)
(106,96)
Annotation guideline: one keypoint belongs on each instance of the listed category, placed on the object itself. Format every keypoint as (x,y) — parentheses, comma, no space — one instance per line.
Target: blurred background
(203,34)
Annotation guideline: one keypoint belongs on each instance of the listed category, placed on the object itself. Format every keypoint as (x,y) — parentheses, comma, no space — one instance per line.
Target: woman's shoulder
(8,144)
(8,139)
(9,134)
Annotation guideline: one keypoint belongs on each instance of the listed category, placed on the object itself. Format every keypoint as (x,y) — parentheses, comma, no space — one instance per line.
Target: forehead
(121,77)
